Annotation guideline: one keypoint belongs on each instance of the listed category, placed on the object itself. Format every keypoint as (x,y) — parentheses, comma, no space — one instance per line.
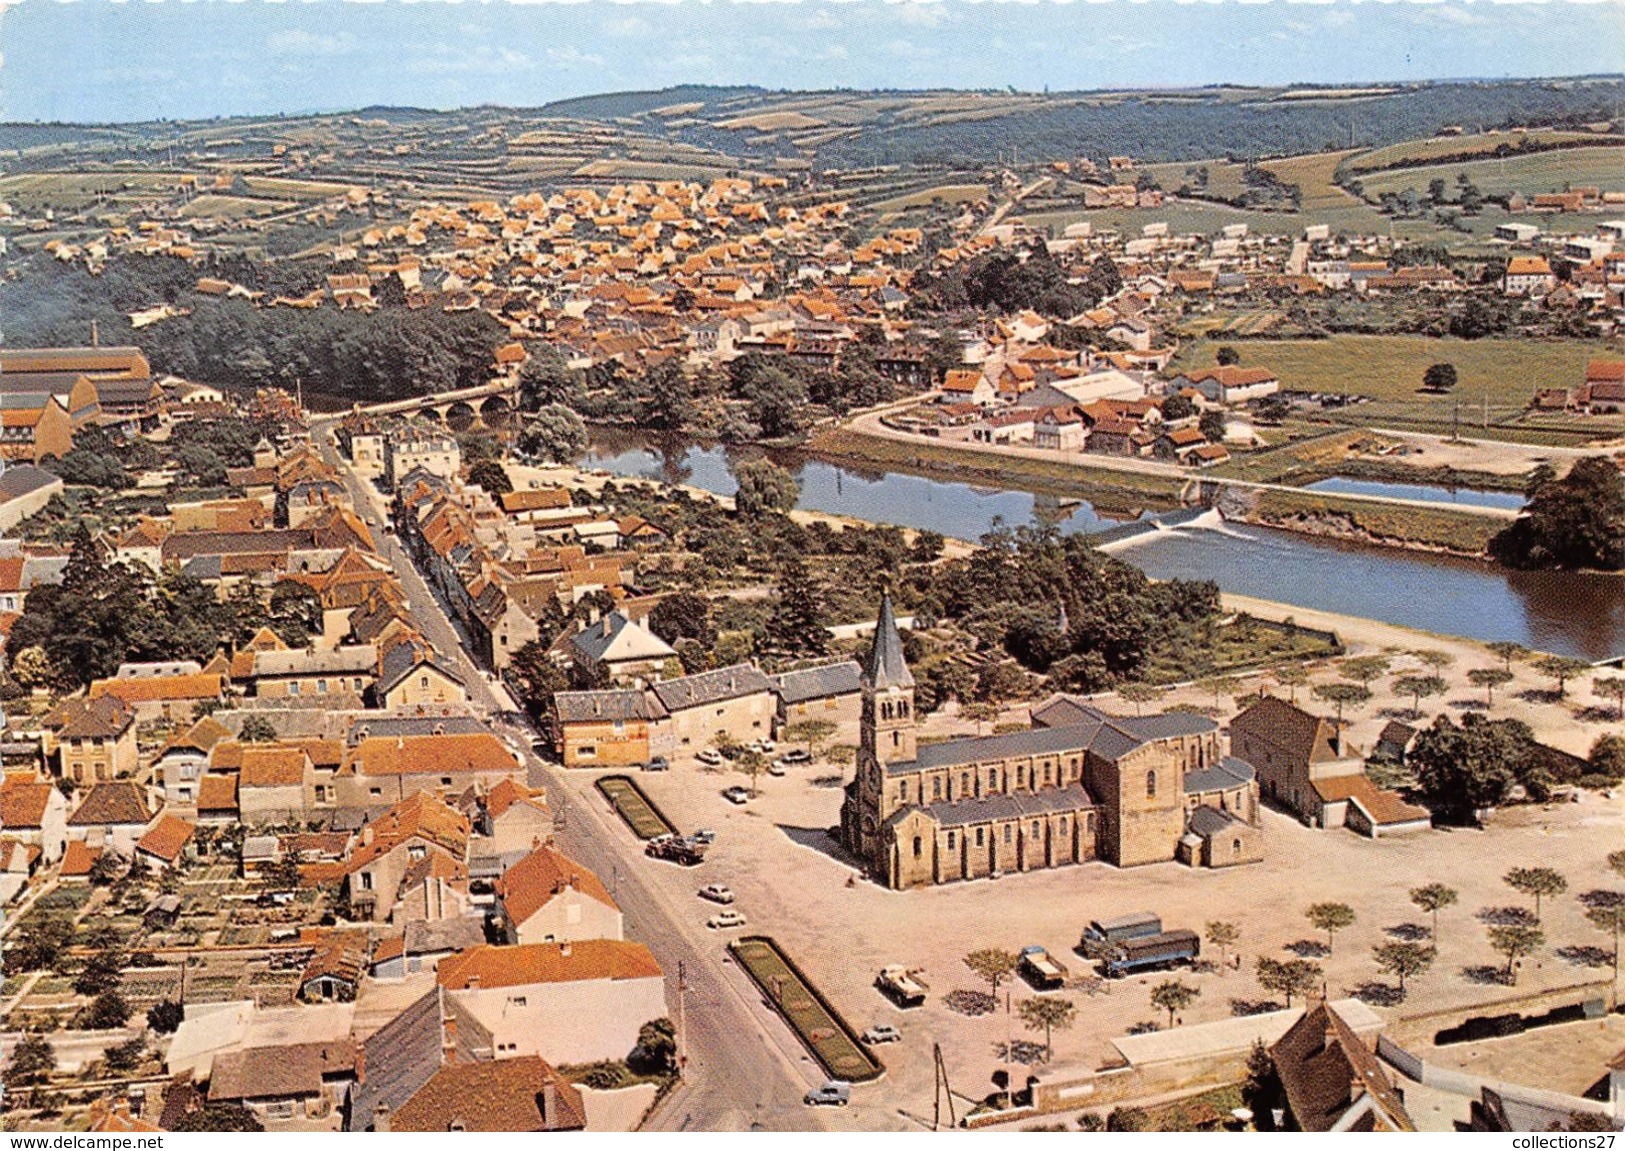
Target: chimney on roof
(380,1118)
(564,949)
(550,1101)
(473,985)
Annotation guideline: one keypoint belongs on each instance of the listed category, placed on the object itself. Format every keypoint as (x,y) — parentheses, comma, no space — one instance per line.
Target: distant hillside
(617,105)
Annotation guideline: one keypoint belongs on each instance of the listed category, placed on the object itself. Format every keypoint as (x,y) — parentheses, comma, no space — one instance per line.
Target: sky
(114,60)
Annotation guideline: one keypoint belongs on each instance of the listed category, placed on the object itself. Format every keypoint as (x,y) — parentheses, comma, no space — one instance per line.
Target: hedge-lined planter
(634,807)
(818,1025)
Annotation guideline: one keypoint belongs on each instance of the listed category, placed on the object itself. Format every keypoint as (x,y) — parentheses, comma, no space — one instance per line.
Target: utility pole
(941,1089)
(682,1034)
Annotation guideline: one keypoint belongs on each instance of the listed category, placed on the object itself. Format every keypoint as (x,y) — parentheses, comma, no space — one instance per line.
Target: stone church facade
(1082,784)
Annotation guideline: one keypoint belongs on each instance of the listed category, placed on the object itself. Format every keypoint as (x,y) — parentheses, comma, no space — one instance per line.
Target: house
(1394,742)
(433,1068)
(271,781)
(333,972)
(1229,383)
(735,703)
(1332,1080)
(381,770)
(1304,765)
(165,841)
(113,816)
(566,1002)
(619,646)
(968,386)
(287,1084)
(831,692)
(1060,429)
(181,763)
(210,1031)
(411,675)
(163,698)
(614,728)
(91,740)
(35,813)
(24,490)
(547,897)
(307,673)
(435,453)
(1604,389)
(1178,444)
(423,945)
(1007,427)
(1528,276)
(17,863)
(34,426)
(513,818)
(422,839)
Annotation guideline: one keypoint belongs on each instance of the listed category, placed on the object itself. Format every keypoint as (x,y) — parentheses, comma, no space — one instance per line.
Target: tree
(1439,378)
(220,1117)
(1047,1014)
(257,729)
(166,1017)
(1611,687)
(296,612)
(1212,425)
(1224,936)
(544,380)
(992,965)
(1463,770)
(1227,356)
(1561,668)
(764,487)
(1261,1091)
(1178,407)
(100,973)
(554,435)
(1490,678)
(1608,758)
(1515,940)
(1616,860)
(1140,694)
(796,624)
(1433,898)
(1418,687)
(1288,977)
(811,732)
(1364,669)
(1398,957)
(1330,917)
(32,1060)
(927,547)
(1536,882)
(1173,996)
(32,668)
(126,1056)
(656,1050)
(683,615)
(1608,914)
(491,477)
(1291,676)
(1341,695)
(1508,651)
(107,1011)
(751,763)
(1434,660)
(1574,522)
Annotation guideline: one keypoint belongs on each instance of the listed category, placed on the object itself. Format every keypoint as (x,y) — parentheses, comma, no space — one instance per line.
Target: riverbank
(1409,526)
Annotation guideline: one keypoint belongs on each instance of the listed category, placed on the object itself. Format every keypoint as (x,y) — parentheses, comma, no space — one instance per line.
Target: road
(743,1068)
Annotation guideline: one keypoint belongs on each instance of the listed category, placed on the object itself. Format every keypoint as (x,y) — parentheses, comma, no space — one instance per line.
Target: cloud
(462,59)
(628,26)
(920,13)
(569,56)
(1449,13)
(298,42)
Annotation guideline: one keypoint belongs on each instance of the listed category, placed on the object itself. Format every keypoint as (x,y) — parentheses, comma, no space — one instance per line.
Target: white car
(708,757)
(736,795)
(882,1033)
(725,919)
(717,893)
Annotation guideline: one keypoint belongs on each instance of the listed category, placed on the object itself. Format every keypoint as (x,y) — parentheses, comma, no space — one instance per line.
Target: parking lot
(794,884)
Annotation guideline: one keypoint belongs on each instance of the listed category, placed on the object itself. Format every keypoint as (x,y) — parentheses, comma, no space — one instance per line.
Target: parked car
(796,755)
(708,757)
(761,746)
(776,768)
(835,1093)
(541,746)
(737,795)
(658,763)
(882,1033)
(704,836)
(717,893)
(723,920)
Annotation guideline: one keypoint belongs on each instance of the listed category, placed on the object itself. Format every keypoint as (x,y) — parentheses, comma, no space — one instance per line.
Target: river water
(1562,612)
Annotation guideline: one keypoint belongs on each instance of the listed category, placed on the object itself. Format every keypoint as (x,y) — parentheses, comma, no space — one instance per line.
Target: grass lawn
(1437,146)
(1506,372)
(829,1040)
(947,193)
(637,809)
(1443,527)
(1205,1112)
(1539,172)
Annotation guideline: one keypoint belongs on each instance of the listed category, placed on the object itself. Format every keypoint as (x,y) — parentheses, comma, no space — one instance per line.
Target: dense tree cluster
(1574,522)
(1464,769)
(1012,281)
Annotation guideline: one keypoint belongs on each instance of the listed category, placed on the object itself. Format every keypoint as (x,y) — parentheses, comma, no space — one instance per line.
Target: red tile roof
(529,885)
(587,959)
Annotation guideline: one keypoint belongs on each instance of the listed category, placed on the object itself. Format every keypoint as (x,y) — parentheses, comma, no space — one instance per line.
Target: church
(1081,784)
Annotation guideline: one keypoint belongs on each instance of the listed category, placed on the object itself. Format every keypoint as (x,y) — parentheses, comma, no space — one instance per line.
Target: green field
(233,207)
(824,1033)
(947,193)
(1434,147)
(1550,171)
(637,809)
(1506,372)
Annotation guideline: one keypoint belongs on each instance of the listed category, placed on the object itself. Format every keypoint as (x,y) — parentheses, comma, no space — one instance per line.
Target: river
(1563,612)
(1427,493)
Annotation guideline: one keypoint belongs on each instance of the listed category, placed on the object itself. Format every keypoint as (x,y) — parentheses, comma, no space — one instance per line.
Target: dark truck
(1040,970)
(684,850)
(1137,942)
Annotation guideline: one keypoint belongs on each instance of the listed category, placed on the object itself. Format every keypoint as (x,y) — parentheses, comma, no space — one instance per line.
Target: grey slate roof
(710,687)
(1227,773)
(394,727)
(403,659)
(833,679)
(403,1055)
(1016,805)
(21,479)
(1210,821)
(430,937)
(587,706)
(886,666)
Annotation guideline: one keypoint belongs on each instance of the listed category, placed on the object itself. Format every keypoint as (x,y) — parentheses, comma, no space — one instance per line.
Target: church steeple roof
(886,666)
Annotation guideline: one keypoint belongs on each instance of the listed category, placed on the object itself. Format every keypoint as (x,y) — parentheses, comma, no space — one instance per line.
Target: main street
(742,1066)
